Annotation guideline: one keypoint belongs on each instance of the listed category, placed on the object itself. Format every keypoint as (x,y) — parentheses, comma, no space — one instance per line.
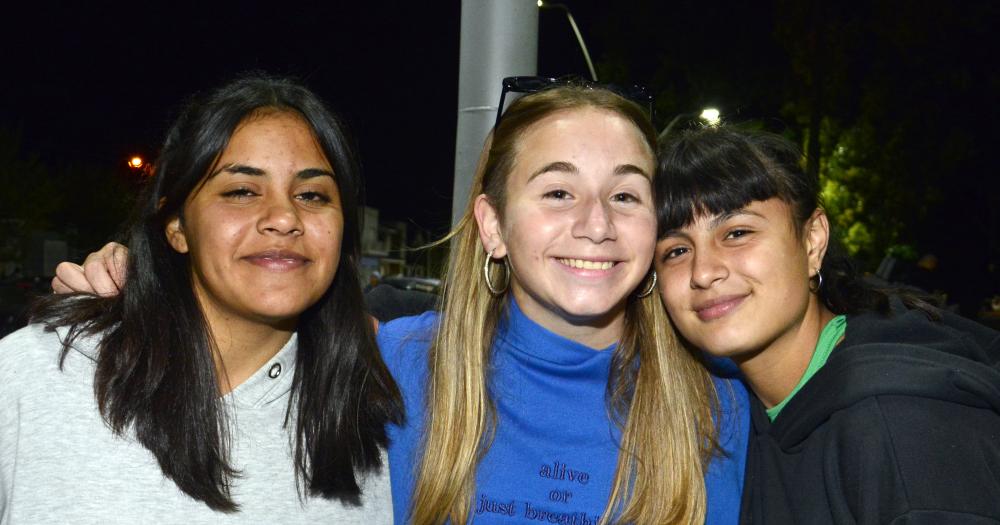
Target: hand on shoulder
(103,273)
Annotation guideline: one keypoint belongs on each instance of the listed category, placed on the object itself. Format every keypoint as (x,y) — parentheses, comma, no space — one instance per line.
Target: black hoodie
(902,425)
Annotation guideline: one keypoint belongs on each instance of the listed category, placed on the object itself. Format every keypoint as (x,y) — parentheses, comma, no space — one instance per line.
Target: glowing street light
(136,162)
(711,116)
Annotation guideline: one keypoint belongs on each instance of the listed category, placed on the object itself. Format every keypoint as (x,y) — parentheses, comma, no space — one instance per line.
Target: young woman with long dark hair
(235,377)
(870,406)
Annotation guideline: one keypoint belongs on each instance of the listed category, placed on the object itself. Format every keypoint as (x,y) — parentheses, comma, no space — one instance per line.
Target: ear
(175,235)
(817,238)
(488,221)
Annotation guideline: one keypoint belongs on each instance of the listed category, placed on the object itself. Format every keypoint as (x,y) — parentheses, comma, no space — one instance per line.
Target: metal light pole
(576,31)
(499,39)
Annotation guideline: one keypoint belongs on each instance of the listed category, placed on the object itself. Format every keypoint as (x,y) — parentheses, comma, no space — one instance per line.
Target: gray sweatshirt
(59,462)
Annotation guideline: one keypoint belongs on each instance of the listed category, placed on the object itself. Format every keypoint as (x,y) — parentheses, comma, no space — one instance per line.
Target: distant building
(390,248)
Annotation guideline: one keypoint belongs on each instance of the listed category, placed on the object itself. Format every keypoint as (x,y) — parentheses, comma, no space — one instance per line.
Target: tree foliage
(904,131)
(893,102)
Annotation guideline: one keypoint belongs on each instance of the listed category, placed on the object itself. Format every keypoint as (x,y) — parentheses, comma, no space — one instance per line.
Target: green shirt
(828,338)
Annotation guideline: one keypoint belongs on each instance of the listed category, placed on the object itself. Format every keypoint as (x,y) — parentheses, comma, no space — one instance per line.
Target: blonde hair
(664,407)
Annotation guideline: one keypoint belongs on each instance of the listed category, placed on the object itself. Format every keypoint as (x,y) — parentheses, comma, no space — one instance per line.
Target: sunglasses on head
(528,85)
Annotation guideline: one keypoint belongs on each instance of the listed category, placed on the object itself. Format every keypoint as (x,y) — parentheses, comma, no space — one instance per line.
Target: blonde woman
(550,387)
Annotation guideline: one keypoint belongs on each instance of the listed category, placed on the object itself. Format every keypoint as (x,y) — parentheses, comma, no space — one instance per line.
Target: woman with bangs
(233,379)
(869,405)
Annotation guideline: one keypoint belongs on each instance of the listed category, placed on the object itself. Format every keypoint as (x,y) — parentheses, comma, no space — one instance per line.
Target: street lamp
(139,166)
(576,31)
(711,116)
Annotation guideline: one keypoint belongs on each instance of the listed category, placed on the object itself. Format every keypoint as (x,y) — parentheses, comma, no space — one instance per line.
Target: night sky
(93,83)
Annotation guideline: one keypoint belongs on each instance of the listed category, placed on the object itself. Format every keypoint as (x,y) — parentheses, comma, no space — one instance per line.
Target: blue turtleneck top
(554,453)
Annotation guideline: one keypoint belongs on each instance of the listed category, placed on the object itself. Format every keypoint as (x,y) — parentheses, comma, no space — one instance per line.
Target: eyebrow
(565,167)
(721,218)
(569,167)
(309,173)
(242,169)
(630,169)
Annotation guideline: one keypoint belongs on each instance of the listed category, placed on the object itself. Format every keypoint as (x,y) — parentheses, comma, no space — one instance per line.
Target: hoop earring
(486,275)
(819,282)
(649,290)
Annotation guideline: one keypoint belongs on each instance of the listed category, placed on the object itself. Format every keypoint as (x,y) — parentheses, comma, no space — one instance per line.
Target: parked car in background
(420,284)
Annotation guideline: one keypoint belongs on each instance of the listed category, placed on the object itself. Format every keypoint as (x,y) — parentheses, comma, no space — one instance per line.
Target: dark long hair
(155,372)
(715,170)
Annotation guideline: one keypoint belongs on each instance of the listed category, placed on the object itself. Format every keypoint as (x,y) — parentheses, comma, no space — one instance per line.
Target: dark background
(894,102)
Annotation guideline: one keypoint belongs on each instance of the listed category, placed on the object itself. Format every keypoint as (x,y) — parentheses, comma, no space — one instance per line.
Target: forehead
(271,142)
(270,131)
(586,133)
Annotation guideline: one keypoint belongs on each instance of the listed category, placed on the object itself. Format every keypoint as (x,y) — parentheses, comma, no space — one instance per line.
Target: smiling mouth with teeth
(587,265)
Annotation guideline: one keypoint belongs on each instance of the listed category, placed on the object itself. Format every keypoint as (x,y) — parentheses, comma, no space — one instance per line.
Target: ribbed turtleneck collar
(527,336)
